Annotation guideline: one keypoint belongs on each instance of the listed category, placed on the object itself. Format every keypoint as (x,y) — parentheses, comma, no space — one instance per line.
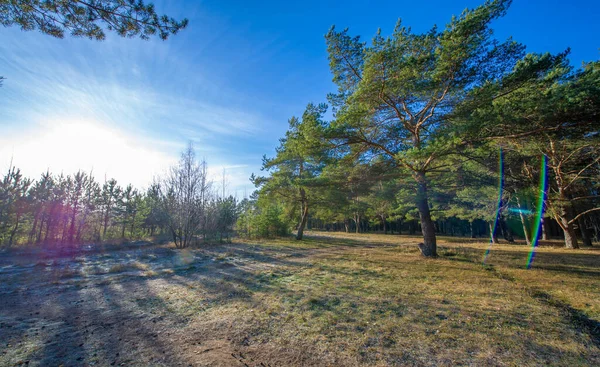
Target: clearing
(333,299)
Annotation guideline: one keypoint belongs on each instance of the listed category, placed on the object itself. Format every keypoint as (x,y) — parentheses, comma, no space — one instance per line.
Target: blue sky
(124,108)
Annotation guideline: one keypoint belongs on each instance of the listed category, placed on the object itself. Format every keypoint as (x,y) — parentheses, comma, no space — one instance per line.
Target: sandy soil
(108,308)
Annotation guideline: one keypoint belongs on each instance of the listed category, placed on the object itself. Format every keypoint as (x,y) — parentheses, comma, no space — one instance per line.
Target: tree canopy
(90,19)
(418,121)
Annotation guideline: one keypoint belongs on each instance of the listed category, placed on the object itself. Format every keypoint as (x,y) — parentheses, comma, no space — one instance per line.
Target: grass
(386,304)
(136,265)
(354,299)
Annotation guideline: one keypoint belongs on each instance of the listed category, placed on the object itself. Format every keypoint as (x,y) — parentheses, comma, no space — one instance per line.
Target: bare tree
(185,194)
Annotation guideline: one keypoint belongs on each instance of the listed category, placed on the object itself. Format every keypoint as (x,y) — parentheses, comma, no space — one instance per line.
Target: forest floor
(333,299)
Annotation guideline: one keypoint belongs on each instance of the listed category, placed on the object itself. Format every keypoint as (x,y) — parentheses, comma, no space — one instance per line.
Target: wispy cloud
(112,112)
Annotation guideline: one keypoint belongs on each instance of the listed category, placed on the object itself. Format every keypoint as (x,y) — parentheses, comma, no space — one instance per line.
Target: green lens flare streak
(543,188)
(499,204)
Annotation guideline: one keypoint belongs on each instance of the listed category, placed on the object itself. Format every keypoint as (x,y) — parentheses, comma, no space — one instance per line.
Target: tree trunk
(105,224)
(15,228)
(472,225)
(39,236)
(570,237)
(303,220)
(568,230)
(505,230)
(174,237)
(544,229)
(346,225)
(493,234)
(49,227)
(72,226)
(33,227)
(585,233)
(525,229)
(429,248)
(523,222)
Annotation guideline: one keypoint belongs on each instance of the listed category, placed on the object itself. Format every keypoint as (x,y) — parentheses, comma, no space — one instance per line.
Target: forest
(448,132)
(64,211)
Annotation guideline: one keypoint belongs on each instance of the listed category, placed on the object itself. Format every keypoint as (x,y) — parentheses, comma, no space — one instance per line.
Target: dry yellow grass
(332,299)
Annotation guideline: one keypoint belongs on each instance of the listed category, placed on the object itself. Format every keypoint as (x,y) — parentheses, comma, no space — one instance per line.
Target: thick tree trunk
(563,219)
(303,220)
(570,237)
(429,248)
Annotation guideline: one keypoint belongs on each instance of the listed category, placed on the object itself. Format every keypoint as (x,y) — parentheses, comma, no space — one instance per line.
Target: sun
(69,146)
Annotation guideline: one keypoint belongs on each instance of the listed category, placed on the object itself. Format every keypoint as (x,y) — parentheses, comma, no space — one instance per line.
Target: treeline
(436,132)
(69,210)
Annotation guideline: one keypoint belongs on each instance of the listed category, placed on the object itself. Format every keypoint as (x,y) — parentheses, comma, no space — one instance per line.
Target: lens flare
(499,204)
(520,211)
(543,188)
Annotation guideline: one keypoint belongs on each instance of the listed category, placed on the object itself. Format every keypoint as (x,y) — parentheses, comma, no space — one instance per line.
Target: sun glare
(83,145)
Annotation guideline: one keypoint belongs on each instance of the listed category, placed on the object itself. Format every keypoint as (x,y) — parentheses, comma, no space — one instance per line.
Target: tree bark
(570,237)
(303,220)
(563,219)
(429,248)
